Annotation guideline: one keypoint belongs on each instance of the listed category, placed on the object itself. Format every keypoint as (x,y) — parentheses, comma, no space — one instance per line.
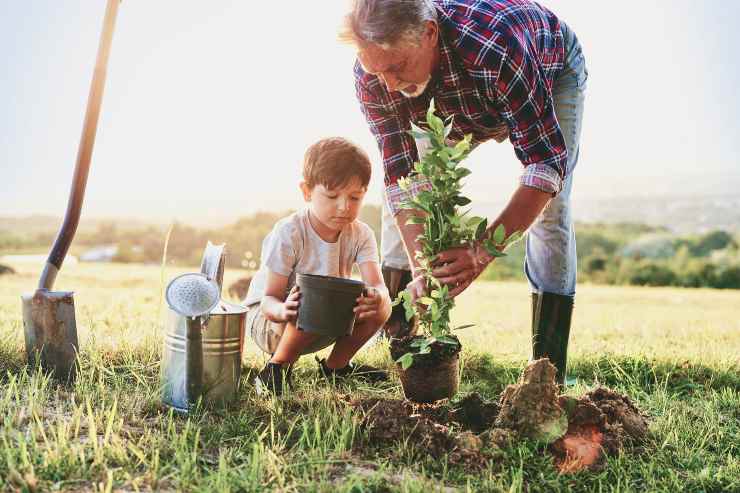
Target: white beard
(420,88)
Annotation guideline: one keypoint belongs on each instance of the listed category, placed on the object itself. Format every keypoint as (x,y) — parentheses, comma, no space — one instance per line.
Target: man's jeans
(550,263)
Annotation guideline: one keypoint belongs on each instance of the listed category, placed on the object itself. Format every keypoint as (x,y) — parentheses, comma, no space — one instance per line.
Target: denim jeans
(550,262)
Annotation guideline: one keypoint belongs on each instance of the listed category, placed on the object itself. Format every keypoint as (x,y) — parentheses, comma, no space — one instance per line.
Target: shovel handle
(84,152)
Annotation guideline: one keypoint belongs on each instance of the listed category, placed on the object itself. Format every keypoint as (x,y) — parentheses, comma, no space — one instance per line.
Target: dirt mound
(580,431)
(601,422)
(530,407)
(391,420)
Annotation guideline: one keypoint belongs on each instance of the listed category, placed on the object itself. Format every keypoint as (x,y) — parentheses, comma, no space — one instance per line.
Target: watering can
(204,338)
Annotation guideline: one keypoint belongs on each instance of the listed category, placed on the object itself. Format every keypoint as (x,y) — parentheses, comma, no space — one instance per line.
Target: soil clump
(530,407)
(600,423)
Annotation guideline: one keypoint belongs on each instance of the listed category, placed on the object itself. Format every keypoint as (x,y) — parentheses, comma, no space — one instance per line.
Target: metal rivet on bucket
(192,294)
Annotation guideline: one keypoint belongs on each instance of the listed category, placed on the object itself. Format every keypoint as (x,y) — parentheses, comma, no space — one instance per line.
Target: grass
(673,351)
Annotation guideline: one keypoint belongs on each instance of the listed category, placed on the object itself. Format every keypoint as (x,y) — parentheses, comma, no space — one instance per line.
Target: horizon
(188,109)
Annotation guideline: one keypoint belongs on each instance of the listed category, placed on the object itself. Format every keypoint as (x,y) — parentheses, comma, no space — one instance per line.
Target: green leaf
(462,172)
(406,361)
(418,135)
(499,234)
(461,327)
(418,343)
(460,200)
(425,300)
(448,340)
(436,313)
(515,236)
(491,248)
(481,229)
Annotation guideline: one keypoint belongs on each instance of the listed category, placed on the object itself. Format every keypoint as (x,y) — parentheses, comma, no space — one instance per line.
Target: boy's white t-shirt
(294,247)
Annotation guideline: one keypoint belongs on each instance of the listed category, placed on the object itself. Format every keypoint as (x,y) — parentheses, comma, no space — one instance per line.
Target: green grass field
(674,351)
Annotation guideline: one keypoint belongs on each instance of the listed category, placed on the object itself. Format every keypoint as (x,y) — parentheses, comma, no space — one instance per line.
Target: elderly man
(504,69)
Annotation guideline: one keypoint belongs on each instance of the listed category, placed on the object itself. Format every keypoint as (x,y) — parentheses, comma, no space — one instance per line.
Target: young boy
(326,239)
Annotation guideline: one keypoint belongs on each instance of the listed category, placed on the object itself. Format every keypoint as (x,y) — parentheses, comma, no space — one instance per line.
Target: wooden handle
(84,152)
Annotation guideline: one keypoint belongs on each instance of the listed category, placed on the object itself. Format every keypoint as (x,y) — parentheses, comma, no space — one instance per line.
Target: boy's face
(337,207)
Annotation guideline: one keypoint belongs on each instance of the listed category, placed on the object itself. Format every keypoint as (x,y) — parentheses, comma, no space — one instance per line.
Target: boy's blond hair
(333,162)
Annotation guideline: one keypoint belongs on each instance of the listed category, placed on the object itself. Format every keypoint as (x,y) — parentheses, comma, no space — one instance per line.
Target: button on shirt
(497,65)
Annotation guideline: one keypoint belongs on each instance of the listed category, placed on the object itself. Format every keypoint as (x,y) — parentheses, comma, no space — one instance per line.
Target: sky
(209,106)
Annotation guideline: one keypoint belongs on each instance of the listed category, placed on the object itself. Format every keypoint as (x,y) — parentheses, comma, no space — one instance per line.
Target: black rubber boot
(396,281)
(551,317)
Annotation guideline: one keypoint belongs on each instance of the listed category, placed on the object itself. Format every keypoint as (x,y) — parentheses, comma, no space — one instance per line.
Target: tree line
(626,254)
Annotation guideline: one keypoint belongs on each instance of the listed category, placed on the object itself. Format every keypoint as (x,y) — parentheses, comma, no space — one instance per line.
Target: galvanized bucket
(202,354)
(203,360)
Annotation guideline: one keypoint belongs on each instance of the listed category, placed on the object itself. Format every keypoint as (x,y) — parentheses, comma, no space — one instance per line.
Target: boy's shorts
(266,333)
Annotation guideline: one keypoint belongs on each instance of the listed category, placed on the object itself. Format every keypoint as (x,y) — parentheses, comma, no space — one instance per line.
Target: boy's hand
(368,304)
(289,310)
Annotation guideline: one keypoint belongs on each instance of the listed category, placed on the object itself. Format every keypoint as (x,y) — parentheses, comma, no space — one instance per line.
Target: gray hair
(386,22)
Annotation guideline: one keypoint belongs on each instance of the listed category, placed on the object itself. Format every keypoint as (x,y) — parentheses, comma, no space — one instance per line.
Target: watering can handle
(84,152)
(212,264)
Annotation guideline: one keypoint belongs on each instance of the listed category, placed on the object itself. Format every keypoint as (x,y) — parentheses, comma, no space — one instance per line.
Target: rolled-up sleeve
(523,99)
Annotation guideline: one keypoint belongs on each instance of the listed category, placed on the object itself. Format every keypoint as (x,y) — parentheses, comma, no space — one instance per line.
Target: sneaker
(272,379)
(362,372)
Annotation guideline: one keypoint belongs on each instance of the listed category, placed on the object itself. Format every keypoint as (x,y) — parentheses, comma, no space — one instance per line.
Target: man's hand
(289,309)
(459,267)
(417,287)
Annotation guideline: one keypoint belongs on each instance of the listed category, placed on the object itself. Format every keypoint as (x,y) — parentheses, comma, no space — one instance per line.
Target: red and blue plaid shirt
(497,65)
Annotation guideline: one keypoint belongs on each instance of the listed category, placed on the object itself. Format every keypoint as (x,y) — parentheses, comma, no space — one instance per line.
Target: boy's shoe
(273,379)
(362,372)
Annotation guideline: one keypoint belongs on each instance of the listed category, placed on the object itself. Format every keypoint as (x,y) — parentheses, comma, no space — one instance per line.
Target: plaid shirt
(498,61)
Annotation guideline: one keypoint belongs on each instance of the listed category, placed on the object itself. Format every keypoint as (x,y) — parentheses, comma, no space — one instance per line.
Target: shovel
(49,316)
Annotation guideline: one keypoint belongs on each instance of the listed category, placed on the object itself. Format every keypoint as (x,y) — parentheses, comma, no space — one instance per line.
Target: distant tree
(715,240)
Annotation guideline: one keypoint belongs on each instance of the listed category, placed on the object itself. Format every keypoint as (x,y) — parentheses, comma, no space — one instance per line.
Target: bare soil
(580,431)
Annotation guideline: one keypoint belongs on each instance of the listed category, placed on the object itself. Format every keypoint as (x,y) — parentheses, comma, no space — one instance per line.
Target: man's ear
(306,190)
(431,32)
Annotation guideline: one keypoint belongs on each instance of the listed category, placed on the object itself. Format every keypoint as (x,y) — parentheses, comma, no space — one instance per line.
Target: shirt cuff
(542,177)
(395,195)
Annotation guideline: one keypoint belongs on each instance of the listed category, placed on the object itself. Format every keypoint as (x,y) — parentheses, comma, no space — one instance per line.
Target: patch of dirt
(387,421)
(580,431)
(530,407)
(475,413)
(600,423)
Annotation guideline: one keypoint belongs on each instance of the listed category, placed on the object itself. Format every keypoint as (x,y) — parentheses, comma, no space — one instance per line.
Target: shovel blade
(50,331)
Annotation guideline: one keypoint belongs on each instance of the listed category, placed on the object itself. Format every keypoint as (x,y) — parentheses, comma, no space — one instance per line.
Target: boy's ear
(306,190)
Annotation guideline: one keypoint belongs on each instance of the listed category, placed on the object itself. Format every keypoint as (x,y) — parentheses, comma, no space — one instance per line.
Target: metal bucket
(203,360)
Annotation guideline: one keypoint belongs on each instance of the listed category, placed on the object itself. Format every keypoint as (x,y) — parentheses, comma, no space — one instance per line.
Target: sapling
(445,227)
